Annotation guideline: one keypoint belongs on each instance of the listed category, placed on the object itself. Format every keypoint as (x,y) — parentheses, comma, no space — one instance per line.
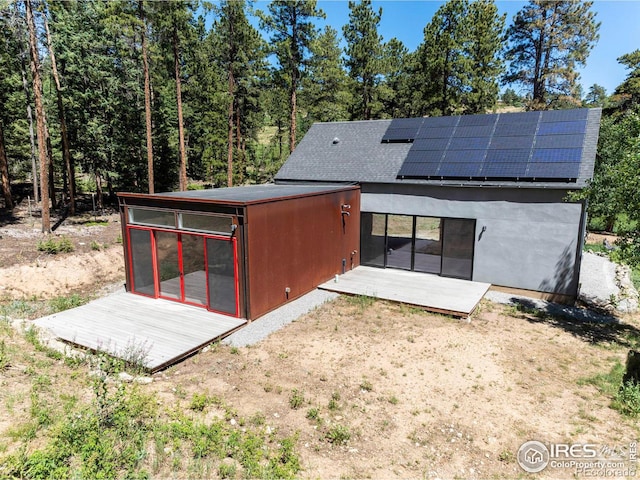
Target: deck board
(432,292)
(167,331)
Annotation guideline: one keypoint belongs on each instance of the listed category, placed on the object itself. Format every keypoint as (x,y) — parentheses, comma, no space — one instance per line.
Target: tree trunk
(294,110)
(52,183)
(40,120)
(230,126)
(99,199)
(147,98)
(66,151)
(183,153)
(4,173)
(32,136)
(239,142)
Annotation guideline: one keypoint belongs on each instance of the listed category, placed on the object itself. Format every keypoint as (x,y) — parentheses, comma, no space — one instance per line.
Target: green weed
(59,304)
(296,399)
(54,246)
(627,400)
(338,434)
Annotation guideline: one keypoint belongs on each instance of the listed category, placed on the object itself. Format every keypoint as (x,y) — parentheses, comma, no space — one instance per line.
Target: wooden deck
(432,292)
(126,325)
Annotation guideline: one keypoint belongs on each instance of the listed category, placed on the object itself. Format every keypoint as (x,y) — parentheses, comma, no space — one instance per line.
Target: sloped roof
(392,151)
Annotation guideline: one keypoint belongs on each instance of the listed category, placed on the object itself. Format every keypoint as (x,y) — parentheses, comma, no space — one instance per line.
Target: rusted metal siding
(293,245)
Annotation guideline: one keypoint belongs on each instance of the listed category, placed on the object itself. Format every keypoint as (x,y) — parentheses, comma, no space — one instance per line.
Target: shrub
(58,304)
(627,401)
(296,399)
(53,246)
(338,435)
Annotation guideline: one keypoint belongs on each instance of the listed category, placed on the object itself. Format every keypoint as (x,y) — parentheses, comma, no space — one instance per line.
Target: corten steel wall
(525,238)
(297,244)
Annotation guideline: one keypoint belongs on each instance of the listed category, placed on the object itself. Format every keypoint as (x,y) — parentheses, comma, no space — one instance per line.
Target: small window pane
(142,261)
(152,217)
(206,223)
(399,241)
(222,280)
(428,249)
(372,227)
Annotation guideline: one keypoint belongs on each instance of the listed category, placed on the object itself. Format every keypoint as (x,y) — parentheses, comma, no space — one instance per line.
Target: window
(158,218)
(205,223)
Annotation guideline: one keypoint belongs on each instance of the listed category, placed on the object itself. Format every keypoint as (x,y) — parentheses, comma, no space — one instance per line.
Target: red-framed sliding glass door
(190,268)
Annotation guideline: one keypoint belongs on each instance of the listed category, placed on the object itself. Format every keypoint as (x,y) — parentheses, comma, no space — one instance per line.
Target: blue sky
(406,19)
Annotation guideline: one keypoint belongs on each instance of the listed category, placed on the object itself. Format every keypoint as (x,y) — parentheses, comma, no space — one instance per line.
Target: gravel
(261,328)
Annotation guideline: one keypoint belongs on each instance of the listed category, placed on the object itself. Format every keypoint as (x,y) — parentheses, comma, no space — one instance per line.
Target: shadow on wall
(563,281)
(587,325)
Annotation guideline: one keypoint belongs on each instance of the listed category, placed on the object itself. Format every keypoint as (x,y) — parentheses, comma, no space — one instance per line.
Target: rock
(143,380)
(125,377)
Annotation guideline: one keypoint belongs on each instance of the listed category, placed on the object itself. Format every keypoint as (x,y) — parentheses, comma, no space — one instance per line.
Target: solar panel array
(528,146)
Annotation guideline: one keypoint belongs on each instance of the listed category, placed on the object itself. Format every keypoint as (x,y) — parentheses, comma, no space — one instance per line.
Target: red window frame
(156,275)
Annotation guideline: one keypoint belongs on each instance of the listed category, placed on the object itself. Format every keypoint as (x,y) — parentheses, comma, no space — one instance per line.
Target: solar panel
(418,170)
(469,170)
(464,156)
(474,131)
(471,120)
(562,128)
(417,156)
(477,143)
(515,129)
(564,115)
(508,155)
(402,130)
(436,132)
(511,142)
(554,155)
(523,146)
(430,144)
(559,141)
(553,170)
(504,170)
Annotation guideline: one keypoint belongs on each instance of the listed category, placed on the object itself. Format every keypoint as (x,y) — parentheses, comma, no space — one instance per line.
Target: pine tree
(40,118)
(548,40)
(444,70)
(291,22)
(629,89)
(364,58)
(325,96)
(483,49)
(395,90)
(70,178)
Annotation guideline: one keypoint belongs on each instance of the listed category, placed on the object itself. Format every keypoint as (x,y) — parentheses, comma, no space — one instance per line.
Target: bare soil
(421,395)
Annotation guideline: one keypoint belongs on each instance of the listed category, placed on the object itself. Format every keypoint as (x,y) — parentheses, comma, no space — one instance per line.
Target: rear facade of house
(485,198)
(479,197)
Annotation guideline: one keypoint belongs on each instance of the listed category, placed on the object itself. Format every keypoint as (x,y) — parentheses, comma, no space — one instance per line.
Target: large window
(443,246)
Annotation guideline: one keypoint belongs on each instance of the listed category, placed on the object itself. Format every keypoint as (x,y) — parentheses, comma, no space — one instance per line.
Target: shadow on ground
(587,325)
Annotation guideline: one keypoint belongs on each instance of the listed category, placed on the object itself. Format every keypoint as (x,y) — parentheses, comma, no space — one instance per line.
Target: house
(477,197)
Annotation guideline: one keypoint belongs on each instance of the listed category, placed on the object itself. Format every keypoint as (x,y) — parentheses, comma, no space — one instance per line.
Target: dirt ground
(420,395)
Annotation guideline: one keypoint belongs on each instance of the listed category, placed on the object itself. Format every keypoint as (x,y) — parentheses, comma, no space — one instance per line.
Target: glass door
(222,275)
(458,238)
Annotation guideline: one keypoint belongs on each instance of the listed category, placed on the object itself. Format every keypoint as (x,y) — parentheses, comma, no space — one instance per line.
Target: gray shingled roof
(354,152)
